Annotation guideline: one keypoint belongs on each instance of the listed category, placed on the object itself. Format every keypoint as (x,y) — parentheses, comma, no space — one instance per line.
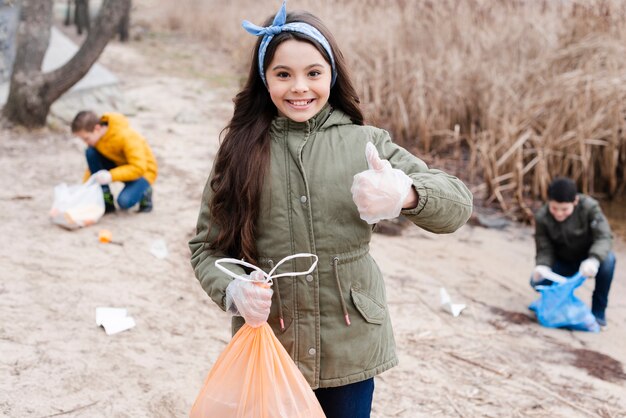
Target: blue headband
(279,26)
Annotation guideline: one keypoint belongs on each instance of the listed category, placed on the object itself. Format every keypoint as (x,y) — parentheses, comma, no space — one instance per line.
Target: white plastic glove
(379,192)
(103,177)
(589,267)
(541,272)
(252,300)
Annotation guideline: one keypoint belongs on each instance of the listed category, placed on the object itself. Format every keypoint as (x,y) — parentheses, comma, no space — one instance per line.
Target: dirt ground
(493,360)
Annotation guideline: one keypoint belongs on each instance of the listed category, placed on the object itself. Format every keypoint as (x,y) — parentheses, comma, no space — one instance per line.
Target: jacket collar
(281,123)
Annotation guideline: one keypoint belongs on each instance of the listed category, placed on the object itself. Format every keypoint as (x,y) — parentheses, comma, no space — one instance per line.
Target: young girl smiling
(299,172)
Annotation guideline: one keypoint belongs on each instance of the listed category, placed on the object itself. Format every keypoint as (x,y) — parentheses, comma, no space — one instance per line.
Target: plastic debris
(159,249)
(447,305)
(106,237)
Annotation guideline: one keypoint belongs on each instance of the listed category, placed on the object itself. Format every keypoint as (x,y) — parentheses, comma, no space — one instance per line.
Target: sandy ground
(493,360)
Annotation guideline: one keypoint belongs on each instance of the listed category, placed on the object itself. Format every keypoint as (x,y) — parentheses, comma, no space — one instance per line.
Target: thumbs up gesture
(379,192)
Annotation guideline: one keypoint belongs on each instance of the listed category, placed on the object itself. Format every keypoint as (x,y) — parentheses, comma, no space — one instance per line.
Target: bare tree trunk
(81,15)
(32,92)
(124,26)
(68,14)
(24,104)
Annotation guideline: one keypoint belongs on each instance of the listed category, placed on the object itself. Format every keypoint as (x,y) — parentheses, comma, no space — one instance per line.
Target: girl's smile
(298,79)
(300,103)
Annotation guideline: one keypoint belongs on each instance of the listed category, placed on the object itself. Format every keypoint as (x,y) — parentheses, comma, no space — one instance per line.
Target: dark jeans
(132,192)
(349,401)
(600,298)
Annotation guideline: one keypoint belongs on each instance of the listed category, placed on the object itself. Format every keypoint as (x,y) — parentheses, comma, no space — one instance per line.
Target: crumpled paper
(114,320)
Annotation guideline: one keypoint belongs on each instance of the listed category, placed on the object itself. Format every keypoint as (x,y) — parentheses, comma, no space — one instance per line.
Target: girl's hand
(250,299)
(382,191)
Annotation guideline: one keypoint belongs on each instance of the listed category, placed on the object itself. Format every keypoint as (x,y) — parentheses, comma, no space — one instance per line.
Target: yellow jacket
(127,149)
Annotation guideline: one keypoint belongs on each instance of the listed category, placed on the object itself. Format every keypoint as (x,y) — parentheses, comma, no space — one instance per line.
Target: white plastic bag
(77,205)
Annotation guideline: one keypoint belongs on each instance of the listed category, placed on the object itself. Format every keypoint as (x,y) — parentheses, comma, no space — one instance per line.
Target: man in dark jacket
(571,235)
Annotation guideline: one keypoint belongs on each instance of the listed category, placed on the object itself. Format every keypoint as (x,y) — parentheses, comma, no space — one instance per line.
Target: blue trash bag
(558,307)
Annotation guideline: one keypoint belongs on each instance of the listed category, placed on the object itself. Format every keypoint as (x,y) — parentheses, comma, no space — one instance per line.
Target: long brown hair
(242,160)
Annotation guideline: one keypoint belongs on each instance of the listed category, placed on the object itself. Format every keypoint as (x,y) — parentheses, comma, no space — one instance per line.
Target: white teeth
(300,102)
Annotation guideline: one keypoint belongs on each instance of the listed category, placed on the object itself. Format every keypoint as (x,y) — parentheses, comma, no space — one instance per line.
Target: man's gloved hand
(252,300)
(540,272)
(103,177)
(589,267)
(379,192)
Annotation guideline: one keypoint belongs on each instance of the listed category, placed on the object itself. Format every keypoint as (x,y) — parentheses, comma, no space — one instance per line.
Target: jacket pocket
(236,322)
(372,311)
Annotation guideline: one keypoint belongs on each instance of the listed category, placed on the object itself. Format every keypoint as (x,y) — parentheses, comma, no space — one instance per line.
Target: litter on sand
(159,249)
(77,205)
(447,305)
(114,320)
(106,237)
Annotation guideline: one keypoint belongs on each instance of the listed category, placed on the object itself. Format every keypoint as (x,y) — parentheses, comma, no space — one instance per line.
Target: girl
(291,176)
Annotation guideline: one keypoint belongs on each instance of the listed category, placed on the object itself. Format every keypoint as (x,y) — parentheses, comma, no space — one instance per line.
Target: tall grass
(518,91)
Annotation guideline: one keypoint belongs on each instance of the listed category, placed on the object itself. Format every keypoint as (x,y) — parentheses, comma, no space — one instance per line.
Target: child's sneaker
(145,205)
(109,203)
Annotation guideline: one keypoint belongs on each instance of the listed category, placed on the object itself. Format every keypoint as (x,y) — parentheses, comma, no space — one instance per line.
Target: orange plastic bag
(254,377)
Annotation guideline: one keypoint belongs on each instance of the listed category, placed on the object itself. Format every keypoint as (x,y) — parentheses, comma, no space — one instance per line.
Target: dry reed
(518,91)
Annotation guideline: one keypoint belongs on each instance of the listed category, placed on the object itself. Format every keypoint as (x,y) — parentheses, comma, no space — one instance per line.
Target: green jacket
(585,233)
(307,207)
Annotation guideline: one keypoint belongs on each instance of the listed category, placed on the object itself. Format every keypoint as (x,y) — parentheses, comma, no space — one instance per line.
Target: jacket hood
(116,119)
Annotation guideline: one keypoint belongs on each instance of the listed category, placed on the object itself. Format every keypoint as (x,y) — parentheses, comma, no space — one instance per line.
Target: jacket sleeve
(444,202)
(543,244)
(212,280)
(600,232)
(136,158)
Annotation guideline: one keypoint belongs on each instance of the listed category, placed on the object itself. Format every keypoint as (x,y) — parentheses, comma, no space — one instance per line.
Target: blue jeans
(349,401)
(132,192)
(604,277)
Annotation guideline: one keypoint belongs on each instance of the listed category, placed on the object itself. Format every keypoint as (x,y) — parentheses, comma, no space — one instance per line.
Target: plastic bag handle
(557,278)
(267,277)
(91,180)
(291,257)
(554,277)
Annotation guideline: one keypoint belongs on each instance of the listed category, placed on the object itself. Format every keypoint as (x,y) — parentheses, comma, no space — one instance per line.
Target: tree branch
(104,28)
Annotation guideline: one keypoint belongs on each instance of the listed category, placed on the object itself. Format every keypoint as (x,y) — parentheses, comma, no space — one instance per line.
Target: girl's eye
(282,74)
(314,73)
